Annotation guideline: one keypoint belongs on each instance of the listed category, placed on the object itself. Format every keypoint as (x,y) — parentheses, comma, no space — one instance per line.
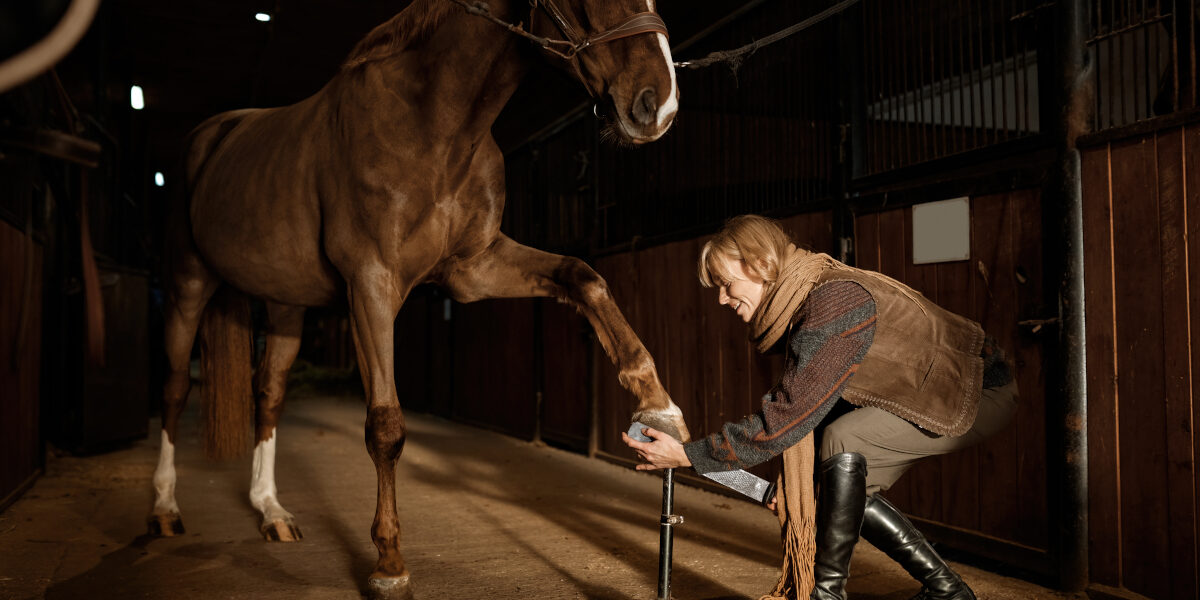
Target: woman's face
(743,293)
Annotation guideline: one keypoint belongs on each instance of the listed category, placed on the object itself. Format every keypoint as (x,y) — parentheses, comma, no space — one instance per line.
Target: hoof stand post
(666,534)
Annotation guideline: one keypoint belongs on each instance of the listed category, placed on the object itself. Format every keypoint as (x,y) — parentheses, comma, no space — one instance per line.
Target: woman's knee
(840,436)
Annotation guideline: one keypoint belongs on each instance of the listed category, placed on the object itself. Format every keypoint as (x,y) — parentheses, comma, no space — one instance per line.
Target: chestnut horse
(386,178)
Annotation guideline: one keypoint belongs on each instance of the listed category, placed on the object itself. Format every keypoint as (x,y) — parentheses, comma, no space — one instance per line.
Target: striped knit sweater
(834,328)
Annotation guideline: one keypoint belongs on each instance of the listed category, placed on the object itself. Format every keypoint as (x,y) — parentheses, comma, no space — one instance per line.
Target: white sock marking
(262,482)
(164,479)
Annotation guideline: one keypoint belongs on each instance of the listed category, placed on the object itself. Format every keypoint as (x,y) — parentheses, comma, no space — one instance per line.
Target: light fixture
(159,180)
(264,17)
(136,99)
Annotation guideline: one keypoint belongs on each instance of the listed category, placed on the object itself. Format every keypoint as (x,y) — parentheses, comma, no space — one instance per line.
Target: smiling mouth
(737,306)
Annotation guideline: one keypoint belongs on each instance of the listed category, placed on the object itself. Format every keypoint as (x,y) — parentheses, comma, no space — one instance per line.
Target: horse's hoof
(281,530)
(666,421)
(389,588)
(168,525)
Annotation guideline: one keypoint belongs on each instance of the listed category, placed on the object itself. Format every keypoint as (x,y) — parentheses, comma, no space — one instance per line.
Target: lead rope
(734,57)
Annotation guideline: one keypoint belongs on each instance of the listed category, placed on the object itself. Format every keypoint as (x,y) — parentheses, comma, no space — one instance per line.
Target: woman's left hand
(665,452)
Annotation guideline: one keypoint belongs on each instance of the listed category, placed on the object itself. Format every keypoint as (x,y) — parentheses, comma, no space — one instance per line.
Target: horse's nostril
(645,107)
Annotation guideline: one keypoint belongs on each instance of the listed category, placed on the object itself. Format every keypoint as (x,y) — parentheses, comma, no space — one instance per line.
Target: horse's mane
(410,25)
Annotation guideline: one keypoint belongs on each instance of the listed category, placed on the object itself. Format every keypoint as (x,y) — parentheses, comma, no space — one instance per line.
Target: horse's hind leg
(283,342)
(189,289)
(509,270)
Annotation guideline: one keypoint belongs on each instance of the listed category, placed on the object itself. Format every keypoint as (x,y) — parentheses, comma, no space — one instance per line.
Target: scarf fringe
(796,504)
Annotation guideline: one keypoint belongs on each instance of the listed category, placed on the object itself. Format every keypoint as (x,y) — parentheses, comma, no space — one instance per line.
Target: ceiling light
(264,17)
(136,100)
(159,180)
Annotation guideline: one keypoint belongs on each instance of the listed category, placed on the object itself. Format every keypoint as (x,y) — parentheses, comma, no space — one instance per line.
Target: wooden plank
(1191,141)
(1181,475)
(1104,532)
(1030,360)
(565,411)
(866,241)
(1141,412)
(414,384)
(678,312)
(20,442)
(494,382)
(441,355)
(994,307)
(960,470)
(718,404)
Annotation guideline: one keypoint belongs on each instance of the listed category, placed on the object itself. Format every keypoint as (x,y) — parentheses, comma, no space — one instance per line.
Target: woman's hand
(665,452)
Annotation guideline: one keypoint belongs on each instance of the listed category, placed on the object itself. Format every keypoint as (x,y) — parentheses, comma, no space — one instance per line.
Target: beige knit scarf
(796,499)
(798,273)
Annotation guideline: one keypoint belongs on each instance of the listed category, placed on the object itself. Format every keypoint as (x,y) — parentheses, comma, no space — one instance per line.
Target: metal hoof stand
(759,489)
(666,534)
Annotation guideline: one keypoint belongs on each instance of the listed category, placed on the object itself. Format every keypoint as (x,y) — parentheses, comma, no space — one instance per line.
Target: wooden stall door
(493,366)
(565,409)
(1140,205)
(20,361)
(995,492)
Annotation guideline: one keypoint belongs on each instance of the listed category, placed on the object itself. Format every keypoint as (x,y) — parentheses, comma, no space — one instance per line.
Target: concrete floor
(483,516)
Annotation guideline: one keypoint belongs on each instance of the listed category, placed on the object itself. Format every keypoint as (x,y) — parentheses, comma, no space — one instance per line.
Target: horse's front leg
(509,270)
(375,298)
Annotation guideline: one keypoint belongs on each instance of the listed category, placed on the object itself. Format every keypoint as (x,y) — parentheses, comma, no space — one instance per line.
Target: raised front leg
(509,270)
(375,298)
(283,343)
(190,289)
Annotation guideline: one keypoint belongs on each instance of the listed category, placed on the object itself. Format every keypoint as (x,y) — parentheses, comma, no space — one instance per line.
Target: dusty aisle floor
(482,516)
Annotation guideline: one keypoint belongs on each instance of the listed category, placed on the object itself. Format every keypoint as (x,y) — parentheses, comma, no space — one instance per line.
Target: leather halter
(569,48)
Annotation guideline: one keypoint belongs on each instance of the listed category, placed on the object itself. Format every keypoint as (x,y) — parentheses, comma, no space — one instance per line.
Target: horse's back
(208,135)
(252,205)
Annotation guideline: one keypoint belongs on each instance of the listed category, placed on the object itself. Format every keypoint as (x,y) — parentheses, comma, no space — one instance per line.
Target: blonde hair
(760,243)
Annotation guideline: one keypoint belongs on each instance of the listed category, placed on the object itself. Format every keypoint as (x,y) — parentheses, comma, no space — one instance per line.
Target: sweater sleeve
(835,327)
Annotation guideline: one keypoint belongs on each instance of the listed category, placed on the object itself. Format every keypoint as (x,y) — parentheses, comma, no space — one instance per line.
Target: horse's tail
(226,344)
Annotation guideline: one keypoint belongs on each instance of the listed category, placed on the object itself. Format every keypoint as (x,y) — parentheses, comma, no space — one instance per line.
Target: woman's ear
(763,268)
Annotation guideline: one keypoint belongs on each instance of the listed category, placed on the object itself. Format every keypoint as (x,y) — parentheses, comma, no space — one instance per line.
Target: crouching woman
(924,382)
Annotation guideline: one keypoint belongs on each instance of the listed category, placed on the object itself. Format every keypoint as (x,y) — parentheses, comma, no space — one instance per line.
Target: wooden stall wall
(701,348)
(997,489)
(20,361)
(1140,207)
(483,363)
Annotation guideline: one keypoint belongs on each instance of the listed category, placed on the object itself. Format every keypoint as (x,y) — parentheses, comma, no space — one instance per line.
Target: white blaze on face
(164,479)
(667,109)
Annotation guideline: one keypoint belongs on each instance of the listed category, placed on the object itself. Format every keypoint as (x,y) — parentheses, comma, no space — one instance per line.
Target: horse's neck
(451,85)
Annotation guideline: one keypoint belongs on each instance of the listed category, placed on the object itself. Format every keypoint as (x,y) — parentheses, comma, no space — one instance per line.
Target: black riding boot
(839,517)
(890,531)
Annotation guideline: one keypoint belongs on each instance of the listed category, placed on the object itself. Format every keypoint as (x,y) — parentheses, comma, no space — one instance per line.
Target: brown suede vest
(923,366)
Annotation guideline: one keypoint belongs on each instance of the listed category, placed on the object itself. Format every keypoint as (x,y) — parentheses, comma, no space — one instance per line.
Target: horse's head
(618,50)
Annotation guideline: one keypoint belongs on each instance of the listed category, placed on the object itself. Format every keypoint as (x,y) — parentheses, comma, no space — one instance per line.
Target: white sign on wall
(941,231)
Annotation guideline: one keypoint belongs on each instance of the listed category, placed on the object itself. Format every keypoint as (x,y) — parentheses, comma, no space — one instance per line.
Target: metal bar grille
(946,76)
(937,77)
(1143,53)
